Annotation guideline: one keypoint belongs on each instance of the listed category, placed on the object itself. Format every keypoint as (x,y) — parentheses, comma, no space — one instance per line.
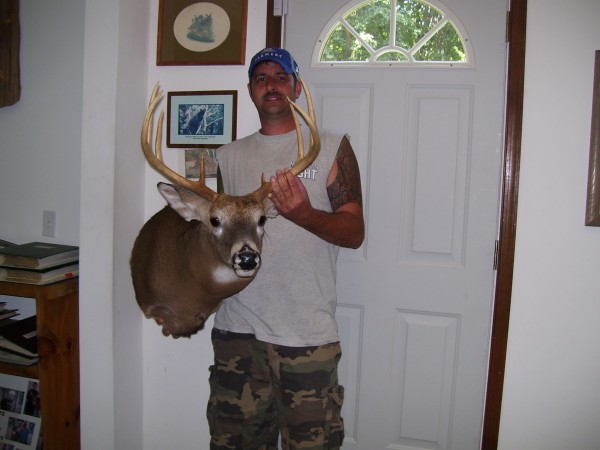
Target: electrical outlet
(49,224)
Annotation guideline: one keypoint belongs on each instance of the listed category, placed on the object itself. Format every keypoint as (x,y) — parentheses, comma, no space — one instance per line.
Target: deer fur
(210,252)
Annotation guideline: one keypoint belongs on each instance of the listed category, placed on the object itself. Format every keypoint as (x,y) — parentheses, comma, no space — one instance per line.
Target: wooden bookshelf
(57,310)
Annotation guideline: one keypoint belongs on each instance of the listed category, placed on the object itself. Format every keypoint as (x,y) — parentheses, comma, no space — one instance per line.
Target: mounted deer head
(203,246)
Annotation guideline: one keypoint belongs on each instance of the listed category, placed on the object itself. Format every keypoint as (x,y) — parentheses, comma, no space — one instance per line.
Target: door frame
(513,127)
(505,253)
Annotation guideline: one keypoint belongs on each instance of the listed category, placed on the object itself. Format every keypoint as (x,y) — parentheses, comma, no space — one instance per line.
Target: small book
(7,314)
(20,337)
(38,255)
(4,243)
(7,321)
(39,276)
(13,358)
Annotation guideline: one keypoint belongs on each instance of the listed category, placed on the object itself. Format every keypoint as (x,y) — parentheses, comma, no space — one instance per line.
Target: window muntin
(394,33)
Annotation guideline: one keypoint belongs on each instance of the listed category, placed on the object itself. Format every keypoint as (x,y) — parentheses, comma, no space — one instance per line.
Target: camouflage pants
(258,390)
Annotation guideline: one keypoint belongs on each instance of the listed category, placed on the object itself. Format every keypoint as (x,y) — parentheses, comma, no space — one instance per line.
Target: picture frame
(192,33)
(197,119)
(192,161)
(592,214)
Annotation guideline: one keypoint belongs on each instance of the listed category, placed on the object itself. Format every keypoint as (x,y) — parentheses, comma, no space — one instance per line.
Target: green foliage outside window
(394,31)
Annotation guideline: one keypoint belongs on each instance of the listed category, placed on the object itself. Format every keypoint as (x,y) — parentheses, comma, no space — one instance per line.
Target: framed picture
(198,119)
(592,214)
(20,421)
(193,158)
(201,33)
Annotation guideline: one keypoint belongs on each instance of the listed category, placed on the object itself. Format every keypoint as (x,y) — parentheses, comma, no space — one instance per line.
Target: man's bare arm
(345,225)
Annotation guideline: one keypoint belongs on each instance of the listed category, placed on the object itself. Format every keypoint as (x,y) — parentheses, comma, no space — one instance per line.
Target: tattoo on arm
(346,186)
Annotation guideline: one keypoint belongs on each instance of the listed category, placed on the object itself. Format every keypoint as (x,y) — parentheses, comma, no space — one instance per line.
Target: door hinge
(496,252)
(280,8)
(507,37)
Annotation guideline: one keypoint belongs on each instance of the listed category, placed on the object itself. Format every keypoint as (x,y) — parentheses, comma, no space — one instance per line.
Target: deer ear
(270,210)
(184,202)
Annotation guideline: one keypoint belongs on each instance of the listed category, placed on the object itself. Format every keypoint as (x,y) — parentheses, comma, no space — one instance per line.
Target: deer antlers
(155,158)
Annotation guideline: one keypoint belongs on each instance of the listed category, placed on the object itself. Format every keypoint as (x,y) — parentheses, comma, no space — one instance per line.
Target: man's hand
(290,197)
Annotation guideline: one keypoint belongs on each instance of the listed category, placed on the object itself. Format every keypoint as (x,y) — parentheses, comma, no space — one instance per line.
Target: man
(276,343)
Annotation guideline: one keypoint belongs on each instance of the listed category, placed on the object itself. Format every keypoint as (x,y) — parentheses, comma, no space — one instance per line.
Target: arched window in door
(394,33)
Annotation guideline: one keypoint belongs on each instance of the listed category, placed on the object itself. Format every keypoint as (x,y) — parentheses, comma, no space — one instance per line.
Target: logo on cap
(278,55)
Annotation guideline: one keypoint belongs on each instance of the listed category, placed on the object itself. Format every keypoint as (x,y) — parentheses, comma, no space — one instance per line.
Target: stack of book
(18,341)
(38,263)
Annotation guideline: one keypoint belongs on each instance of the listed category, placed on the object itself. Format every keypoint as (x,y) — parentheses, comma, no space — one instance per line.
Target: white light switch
(49,224)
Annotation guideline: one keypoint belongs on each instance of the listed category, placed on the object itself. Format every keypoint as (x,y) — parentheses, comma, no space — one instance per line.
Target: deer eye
(215,222)
(262,221)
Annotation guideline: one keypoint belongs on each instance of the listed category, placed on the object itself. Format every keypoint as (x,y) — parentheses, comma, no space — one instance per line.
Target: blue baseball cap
(278,55)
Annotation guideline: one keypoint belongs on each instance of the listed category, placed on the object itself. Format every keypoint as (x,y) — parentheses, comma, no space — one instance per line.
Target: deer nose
(246,259)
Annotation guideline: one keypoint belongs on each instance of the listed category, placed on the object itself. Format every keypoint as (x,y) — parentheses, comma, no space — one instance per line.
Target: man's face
(270,86)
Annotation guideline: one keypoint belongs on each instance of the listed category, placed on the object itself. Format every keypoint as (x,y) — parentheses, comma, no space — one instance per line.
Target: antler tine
(315,141)
(155,158)
(300,137)
(202,173)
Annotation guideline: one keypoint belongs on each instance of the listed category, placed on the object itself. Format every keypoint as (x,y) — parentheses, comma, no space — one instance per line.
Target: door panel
(415,300)
(436,175)
(422,382)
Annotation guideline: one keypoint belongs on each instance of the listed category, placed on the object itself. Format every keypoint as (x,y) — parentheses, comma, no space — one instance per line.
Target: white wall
(552,393)
(112,210)
(40,150)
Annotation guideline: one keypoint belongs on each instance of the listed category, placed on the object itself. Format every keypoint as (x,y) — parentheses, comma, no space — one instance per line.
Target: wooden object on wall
(592,213)
(274,25)
(10,39)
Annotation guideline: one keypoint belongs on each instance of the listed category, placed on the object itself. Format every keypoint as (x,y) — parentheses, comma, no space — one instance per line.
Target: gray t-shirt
(292,300)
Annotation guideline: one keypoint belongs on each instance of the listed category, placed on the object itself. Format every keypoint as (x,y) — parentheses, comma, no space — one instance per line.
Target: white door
(415,301)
